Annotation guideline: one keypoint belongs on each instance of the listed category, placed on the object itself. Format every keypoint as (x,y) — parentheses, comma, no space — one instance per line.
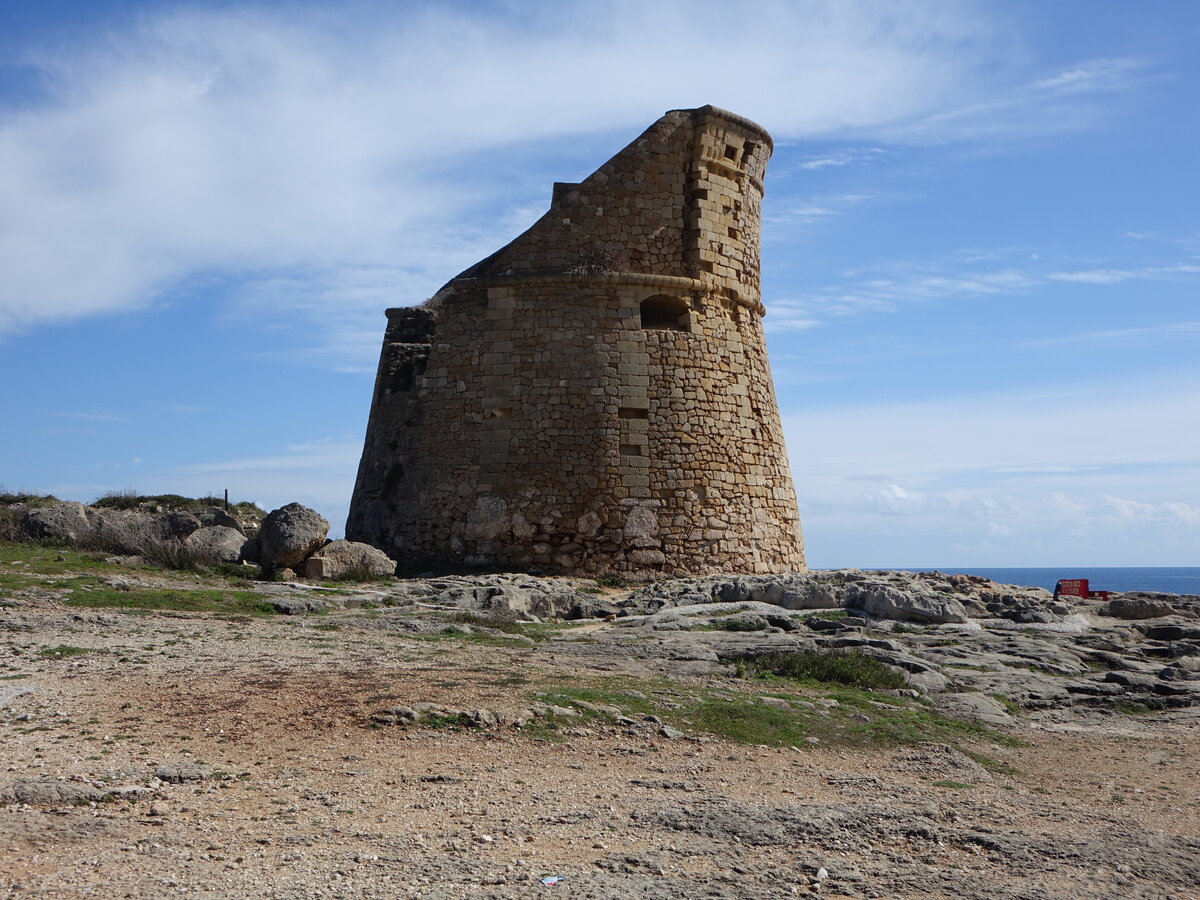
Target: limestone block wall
(595,397)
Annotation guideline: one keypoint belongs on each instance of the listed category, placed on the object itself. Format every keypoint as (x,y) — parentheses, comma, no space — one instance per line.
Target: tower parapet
(595,396)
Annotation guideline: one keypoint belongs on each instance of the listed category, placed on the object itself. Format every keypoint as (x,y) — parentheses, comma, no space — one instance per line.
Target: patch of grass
(857,720)
(950,783)
(62,651)
(903,628)
(749,721)
(990,764)
(200,600)
(462,720)
(39,559)
(15,677)
(1011,706)
(966,666)
(1131,708)
(611,581)
(849,668)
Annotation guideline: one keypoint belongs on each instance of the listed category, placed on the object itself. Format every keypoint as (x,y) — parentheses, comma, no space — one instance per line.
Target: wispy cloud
(342,455)
(88,416)
(1094,276)
(838,158)
(887,291)
(1066,100)
(1170,329)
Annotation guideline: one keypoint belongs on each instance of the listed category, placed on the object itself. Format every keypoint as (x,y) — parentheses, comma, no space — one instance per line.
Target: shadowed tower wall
(595,396)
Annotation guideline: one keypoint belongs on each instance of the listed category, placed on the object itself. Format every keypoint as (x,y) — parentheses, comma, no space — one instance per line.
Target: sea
(1168,579)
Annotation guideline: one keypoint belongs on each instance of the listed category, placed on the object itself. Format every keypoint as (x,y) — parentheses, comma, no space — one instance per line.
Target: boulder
(343,559)
(216,544)
(289,535)
(886,602)
(177,524)
(221,517)
(46,791)
(63,521)
(788,591)
(1134,606)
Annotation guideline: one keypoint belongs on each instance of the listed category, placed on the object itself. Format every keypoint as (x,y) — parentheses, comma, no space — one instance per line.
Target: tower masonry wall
(595,397)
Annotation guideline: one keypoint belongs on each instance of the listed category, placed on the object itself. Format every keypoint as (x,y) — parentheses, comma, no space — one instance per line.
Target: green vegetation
(131,499)
(63,650)
(1010,705)
(203,600)
(949,783)
(847,668)
(611,581)
(858,718)
(12,498)
(32,565)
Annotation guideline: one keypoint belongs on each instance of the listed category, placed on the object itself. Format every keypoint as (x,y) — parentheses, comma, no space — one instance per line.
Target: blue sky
(981,242)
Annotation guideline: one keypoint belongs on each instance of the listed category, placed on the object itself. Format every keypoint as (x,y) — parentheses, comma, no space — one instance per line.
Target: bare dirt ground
(236,756)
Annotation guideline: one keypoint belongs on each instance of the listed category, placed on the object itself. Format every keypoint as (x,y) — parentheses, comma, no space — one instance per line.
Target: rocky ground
(171,735)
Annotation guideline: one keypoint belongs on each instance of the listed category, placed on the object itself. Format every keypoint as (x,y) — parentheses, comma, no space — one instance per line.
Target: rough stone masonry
(595,396)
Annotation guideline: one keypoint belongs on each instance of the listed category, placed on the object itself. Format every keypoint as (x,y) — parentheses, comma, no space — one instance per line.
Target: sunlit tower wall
(595,396)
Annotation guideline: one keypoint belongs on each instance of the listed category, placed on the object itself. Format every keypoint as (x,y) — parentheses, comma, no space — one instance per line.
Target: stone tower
(595,396)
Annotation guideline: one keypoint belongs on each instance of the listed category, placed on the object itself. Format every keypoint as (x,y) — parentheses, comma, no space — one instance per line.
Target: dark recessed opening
(730,151)
(628,412)
(631,450)
(665,313)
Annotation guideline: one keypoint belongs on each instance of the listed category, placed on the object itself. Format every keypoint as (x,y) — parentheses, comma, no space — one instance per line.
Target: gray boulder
(177,524)
(788,591)
(289,535)
(216,544)
(63,521)
(1138,606)
(48,792)
(886,602)
(221,517)
(343,559)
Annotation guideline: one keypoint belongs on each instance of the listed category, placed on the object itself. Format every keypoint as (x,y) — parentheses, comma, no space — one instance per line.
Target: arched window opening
(664,313)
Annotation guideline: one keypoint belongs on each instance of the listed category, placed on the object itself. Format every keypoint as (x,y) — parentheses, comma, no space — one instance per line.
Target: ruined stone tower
(595,396)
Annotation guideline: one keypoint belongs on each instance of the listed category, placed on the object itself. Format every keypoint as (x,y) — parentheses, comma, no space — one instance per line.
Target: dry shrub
(10,525)
(142,536)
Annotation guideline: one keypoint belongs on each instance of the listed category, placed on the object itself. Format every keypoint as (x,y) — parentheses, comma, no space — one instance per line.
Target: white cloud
(1071,99)
(1094,276)
(258,149)
(1006,478)
(839,158)
(1170,329)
